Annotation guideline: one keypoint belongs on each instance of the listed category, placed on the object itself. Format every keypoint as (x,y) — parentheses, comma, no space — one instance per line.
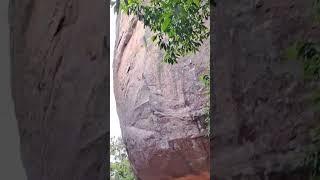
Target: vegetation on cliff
(179,29)
(179,25)
(308,52)
(120,168)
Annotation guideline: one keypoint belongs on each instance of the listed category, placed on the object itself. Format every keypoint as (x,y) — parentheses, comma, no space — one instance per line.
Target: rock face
(160,106)
(263,118)
(60,87)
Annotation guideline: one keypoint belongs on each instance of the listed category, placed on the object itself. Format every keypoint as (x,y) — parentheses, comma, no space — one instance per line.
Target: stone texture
(160,106)
(262,118)
(60,86)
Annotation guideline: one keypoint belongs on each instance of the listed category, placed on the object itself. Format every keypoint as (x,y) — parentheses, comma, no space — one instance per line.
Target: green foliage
(178,25)
(312,160)
(315,98)
(316,10)
(120,165)
(205,79)
(309,53)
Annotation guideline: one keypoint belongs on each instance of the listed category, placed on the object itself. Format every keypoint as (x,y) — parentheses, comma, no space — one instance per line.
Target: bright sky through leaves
(114,120)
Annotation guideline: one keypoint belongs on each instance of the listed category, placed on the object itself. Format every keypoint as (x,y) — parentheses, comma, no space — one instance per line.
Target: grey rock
(60,87)
(262,119)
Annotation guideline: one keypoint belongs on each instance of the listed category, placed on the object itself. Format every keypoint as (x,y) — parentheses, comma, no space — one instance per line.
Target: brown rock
(159,106)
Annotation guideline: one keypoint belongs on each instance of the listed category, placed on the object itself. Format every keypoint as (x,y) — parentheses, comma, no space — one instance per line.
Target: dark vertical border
(10,164)
(212,94)
(10,161)
(108,89)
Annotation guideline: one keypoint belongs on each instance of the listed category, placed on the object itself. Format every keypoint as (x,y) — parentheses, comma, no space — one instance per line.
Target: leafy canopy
(179,25)
(120,165)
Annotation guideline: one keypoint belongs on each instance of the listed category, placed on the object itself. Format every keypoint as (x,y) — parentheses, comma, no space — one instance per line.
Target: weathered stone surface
(263,119)
(160,106)
(60,87)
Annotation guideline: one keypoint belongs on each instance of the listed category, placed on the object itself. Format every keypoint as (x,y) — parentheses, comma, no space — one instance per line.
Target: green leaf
(165,24)
(153,38)
(197,2)
(180,21)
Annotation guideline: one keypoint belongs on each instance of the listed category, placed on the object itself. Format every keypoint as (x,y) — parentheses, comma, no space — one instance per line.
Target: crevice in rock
(60,26)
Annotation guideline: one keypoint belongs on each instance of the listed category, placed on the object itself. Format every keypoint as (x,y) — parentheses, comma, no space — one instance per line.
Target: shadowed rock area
(60,87)
(263,116)
(160,106)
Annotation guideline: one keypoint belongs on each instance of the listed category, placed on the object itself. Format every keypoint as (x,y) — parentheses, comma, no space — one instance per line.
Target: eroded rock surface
(160,106)
(60,87)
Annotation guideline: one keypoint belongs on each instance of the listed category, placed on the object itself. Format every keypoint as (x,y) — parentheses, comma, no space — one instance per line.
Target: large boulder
(160,106)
